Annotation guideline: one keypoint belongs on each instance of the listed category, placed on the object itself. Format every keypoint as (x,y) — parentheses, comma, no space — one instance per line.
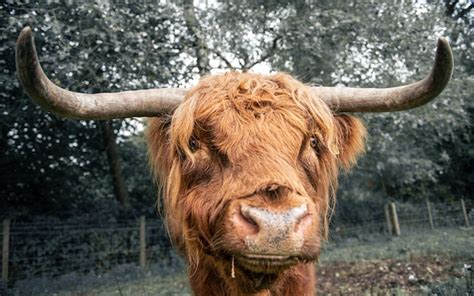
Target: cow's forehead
(249,110)
(257,127)
(253,120)
(248,98)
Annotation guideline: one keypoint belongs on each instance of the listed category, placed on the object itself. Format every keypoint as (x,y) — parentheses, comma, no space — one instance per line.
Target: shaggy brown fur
(234,134)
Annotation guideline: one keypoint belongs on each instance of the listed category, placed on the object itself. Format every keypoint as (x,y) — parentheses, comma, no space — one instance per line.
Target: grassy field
(417,263)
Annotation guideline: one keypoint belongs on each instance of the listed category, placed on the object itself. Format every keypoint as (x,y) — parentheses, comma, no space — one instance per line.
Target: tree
(367,44)
(200,45)
(115,163)
(52,165)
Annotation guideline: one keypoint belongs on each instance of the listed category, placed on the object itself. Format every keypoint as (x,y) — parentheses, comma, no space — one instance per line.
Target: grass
(458,242)
(416,263)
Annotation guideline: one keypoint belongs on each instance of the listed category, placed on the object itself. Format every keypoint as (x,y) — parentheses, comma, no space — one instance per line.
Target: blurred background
(78,205)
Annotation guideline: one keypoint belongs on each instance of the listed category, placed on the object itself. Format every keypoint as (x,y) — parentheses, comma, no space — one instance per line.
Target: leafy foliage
(410,154)
(54,166)
(50,165)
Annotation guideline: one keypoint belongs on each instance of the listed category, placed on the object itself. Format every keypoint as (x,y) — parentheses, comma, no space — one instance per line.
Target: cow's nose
(266,219)
(273,231)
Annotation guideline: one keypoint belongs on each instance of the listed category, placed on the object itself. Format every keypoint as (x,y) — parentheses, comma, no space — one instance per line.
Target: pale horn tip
(444,47)
(25,33)
(444,62)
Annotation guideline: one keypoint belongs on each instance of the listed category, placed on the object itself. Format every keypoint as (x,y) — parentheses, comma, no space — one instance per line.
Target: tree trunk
(200,45)
(300,66)
(115,163)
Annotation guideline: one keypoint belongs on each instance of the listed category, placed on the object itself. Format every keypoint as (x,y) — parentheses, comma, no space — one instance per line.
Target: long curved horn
(140,103)
(347,99)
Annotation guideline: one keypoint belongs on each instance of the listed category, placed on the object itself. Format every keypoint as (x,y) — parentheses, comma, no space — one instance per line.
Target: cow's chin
(256,272)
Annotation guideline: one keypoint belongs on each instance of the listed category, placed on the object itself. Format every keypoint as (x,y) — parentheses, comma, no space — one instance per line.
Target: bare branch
(464,11)
(224,59)
(268,54)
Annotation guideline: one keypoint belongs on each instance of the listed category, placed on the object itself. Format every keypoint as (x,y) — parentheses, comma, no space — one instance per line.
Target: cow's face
(249,169)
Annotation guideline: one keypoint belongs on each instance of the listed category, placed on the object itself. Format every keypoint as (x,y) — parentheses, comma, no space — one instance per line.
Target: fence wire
(38,250)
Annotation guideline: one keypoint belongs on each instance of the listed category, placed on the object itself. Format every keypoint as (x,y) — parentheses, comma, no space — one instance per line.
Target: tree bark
(115,164)
(200,45)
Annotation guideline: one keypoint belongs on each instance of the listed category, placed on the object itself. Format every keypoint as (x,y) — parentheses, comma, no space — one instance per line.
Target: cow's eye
(193,144)
(314,142)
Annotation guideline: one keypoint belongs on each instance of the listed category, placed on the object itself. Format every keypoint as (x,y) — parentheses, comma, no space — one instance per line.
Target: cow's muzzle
(273,233)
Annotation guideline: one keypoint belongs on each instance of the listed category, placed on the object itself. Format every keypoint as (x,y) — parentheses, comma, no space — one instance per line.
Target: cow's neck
(209,280)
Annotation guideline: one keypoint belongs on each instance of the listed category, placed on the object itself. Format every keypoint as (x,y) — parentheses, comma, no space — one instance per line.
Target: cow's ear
(351,134)
(157,136)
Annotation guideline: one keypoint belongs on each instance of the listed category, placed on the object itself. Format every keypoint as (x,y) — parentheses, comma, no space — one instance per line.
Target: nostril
(303,223)
(247,215)
(247,220)
(300,217)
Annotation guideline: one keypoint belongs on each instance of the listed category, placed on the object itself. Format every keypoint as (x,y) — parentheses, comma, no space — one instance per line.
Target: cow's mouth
(260,271)
(266,264)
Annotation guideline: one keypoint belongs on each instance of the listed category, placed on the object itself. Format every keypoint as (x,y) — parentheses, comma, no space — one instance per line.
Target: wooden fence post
(394,219)
(142,242)
(430,214)
(387,219)
(5,249)
(466,218)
